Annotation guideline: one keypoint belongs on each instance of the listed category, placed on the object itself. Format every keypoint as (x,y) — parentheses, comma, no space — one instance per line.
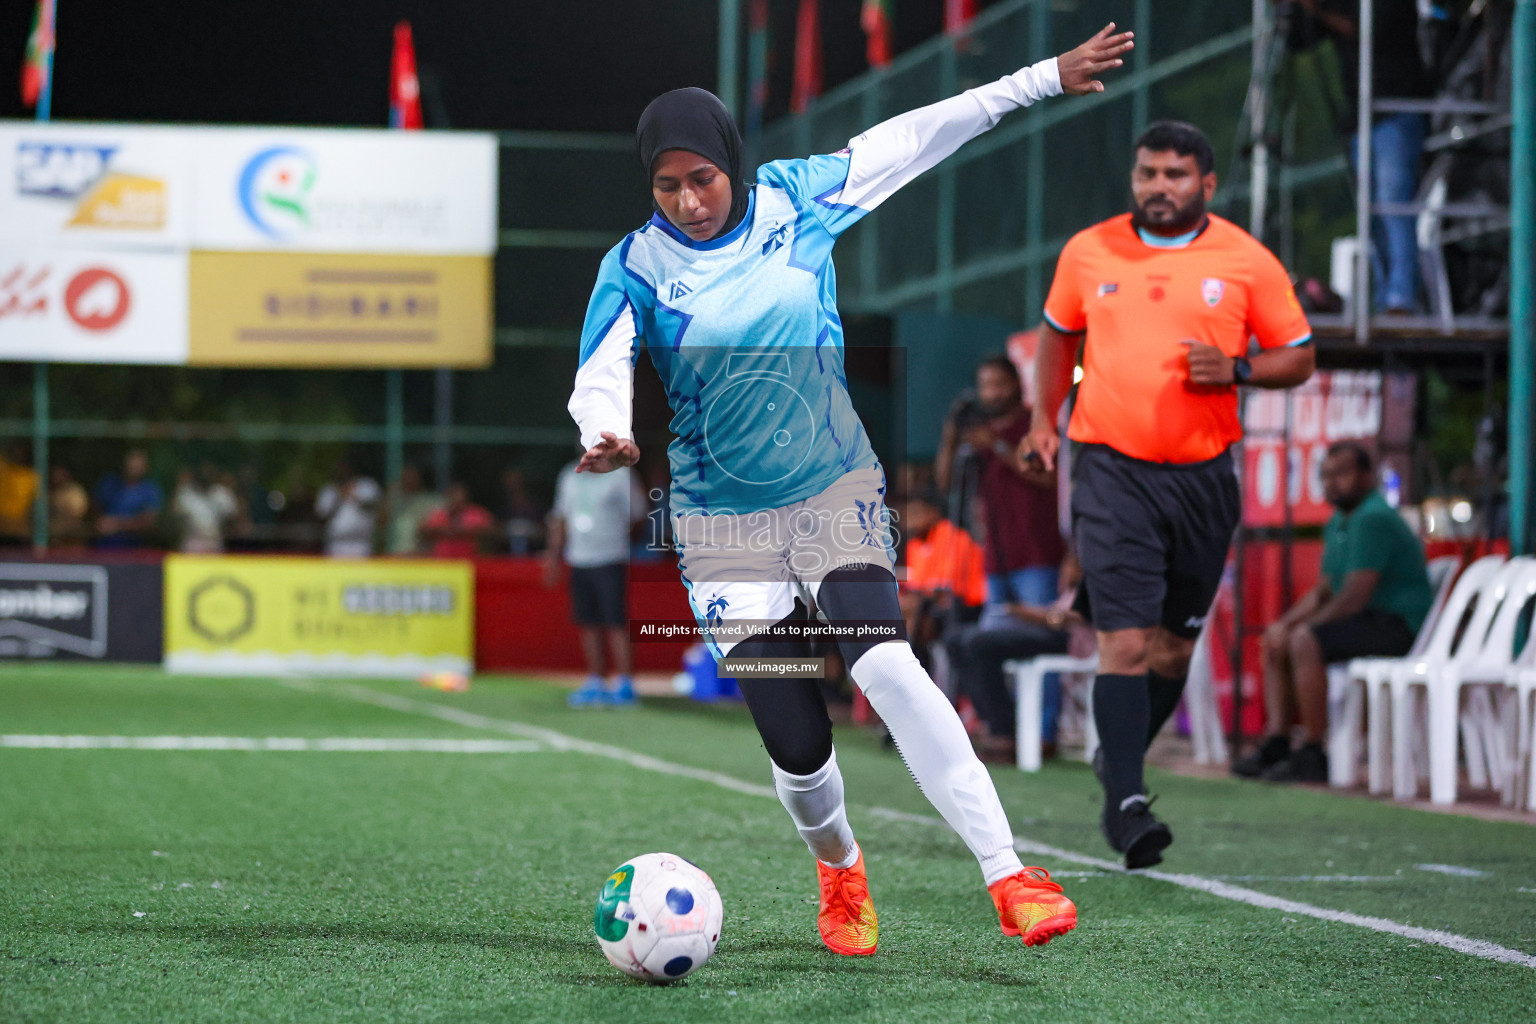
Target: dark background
(579,65)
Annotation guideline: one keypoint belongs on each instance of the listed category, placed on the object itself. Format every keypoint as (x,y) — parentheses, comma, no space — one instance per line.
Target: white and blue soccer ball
(658,917)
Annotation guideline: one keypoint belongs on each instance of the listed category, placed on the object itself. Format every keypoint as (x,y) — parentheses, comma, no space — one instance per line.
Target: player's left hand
(1208,364)
(1099,54)
(612,452)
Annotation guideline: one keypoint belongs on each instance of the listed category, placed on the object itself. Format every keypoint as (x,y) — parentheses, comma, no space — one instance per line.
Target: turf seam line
(336,744)
(560,741)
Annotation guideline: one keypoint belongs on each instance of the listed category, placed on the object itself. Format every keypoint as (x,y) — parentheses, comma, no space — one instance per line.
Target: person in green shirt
(1370,600)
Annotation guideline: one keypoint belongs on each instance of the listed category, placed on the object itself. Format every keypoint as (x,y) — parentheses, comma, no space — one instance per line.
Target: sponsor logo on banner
(21,291)
(49,608)
(274,191)
(320,190)
(324,309)
(387,617)
(103,197)
(96,299)
(70,305)
(278,196)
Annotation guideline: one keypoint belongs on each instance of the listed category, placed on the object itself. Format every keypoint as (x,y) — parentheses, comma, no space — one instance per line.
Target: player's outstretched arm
(894,152)
(1078,67)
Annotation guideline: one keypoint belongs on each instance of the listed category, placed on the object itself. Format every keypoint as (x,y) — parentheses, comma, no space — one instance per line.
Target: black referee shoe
(1132,830)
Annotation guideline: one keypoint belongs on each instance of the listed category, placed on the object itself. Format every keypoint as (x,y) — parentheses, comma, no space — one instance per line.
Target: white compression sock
(938,753)
(815,801)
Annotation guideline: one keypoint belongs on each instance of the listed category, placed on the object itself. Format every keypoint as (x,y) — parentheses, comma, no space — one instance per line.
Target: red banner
(1281,463)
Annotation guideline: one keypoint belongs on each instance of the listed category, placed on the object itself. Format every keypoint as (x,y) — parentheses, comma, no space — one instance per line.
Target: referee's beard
(1161,215)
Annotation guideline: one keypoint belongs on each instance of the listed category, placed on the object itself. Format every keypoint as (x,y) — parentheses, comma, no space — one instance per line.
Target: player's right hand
(1099,54)
(1039,448)
(612,452)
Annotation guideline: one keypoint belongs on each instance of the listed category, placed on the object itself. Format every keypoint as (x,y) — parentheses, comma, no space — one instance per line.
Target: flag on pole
(958,14)
(875,17)
(757,65)
(404,89)
(37,67)
(807,56)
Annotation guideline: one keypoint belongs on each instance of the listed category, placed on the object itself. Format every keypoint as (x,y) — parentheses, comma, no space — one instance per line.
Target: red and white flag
(807,56)
(404,88)
(875,19)
(958,14)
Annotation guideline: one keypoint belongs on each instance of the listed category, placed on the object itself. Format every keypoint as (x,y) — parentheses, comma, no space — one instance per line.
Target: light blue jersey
(744,329)
(744,332)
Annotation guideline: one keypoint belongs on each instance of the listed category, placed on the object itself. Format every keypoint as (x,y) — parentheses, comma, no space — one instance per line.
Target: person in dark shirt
(1370,600)
(129,504)
(1023,545)
(1397,139)
(1022,553)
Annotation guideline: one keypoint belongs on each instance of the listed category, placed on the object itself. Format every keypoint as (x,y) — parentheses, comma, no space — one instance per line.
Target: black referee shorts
(1152,537)
(600,594)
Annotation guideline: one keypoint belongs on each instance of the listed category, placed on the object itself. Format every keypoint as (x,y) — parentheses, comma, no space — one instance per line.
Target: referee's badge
(1212,289)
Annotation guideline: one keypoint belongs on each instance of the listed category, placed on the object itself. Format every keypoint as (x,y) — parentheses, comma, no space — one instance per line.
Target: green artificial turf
(299,886)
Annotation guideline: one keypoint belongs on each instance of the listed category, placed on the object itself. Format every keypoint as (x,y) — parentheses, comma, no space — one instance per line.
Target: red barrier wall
(1263,603)
(521,625)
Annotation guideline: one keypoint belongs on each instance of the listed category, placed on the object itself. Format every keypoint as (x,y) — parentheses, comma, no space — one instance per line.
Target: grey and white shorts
(751,567)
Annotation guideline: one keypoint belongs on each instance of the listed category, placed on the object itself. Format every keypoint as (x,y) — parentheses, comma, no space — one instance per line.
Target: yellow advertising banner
(337,309)
(269,615)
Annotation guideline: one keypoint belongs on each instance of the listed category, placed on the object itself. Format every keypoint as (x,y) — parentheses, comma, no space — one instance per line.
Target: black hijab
(695,120)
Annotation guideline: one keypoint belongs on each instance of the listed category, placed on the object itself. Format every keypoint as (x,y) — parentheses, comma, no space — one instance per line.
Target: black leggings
(791,713)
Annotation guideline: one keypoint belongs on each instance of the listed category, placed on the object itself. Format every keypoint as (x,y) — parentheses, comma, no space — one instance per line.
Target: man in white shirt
(204,508)
(590,526)
(347,508)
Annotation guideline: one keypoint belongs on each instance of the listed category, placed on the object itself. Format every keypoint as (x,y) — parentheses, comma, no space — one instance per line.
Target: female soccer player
(777,497)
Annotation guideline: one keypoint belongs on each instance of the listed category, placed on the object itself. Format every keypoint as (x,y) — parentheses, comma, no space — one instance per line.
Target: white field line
(1453,870)
(548,737)
(1224,890)
(341,744)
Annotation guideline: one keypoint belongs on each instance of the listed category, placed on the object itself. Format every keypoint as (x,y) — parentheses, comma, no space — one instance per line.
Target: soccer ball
(658,917)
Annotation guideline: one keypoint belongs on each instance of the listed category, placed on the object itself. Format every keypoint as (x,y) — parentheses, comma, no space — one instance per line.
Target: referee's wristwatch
(1242,370)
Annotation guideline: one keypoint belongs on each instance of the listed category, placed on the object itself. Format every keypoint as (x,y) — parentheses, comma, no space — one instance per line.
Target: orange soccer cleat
(1030,904)
(847,915)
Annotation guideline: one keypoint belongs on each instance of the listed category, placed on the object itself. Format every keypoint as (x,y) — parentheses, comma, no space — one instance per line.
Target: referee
(1168,296)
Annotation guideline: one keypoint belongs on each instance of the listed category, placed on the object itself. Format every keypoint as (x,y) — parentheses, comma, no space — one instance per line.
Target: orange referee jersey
(1138,302)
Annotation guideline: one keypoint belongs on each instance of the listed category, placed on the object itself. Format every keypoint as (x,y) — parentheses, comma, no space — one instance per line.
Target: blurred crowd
(211,508)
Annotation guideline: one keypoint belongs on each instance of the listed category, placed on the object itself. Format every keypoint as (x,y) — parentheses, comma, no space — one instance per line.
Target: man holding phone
(1164,301)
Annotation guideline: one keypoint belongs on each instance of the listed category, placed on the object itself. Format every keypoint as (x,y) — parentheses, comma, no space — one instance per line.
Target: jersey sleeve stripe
(1064,330)
(1305,339)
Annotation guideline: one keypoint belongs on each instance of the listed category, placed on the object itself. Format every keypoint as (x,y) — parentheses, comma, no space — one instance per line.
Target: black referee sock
(1121,711)
(1164,693)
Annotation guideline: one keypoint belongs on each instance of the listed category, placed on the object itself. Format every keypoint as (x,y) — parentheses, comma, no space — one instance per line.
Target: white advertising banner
(101,306)
(95,186)
(357,191)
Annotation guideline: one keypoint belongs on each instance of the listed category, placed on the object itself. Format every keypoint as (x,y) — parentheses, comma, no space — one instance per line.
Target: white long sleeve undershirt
(880,161)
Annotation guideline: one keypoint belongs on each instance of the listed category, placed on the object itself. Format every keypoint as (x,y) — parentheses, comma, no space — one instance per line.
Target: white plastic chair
(1438,674)
(1348,684)
(1376,673)
(1521,681)
(1210,746)
(1029,702)
(1205,734)
(1486,668)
